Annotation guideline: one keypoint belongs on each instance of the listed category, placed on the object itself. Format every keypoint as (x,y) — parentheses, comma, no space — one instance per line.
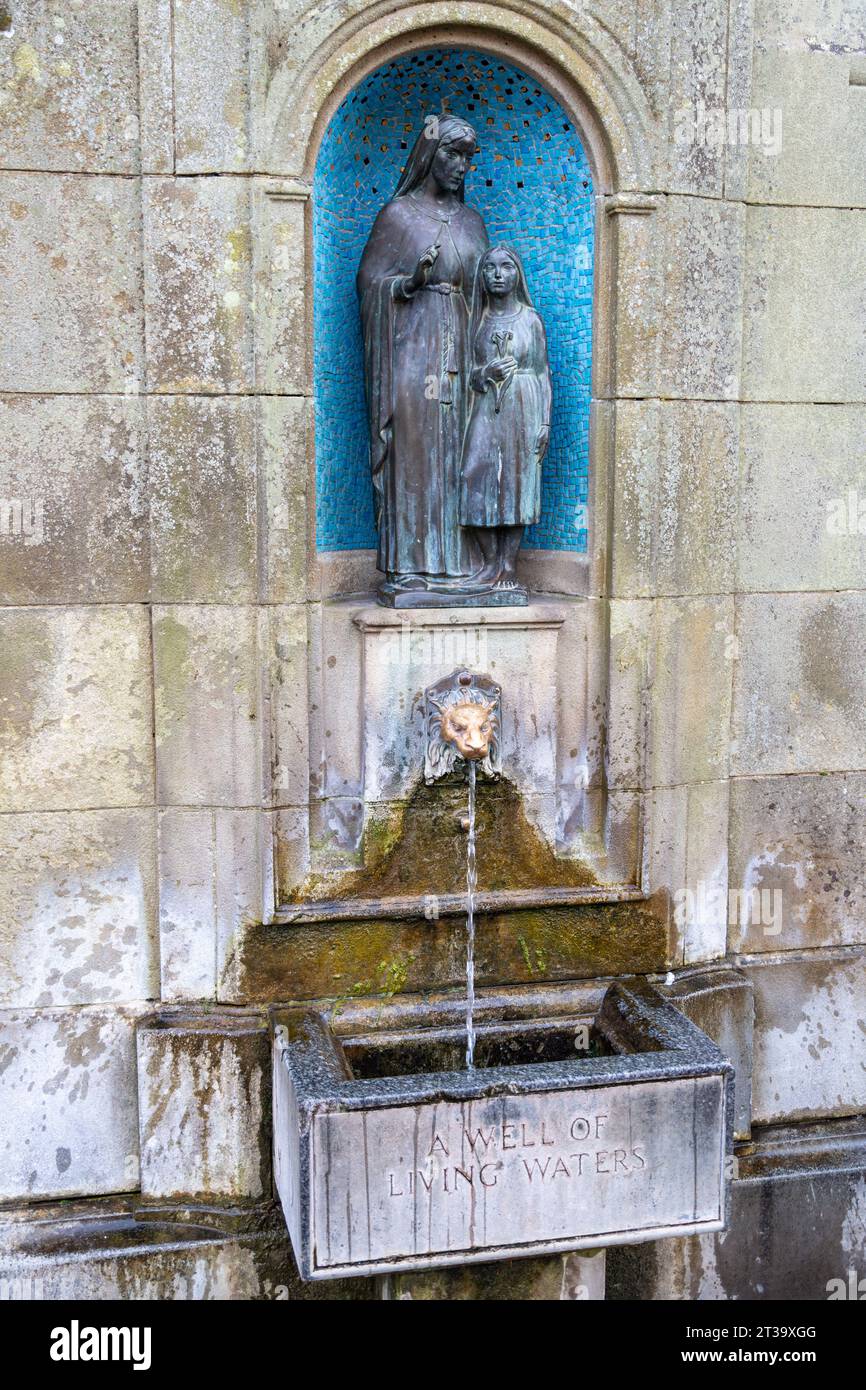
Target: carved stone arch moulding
(579,60)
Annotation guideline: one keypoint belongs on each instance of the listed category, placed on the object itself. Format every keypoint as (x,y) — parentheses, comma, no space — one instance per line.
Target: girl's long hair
(479,292)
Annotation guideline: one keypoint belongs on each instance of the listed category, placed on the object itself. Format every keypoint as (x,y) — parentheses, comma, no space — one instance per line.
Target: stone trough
(569,1133)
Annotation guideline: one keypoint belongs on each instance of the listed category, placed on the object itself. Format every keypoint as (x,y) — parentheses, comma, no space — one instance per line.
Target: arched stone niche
(581,778)
(532,184)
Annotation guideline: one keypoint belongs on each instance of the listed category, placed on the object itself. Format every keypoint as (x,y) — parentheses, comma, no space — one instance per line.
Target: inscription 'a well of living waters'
(494,1147)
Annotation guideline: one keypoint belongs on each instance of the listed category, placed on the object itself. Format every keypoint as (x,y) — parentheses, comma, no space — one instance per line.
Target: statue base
(393,596)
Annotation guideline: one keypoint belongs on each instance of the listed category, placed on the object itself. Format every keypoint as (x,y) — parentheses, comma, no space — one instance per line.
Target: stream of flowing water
(471,883)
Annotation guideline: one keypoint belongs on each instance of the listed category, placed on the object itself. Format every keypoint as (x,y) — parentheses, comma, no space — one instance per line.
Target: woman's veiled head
(445,147)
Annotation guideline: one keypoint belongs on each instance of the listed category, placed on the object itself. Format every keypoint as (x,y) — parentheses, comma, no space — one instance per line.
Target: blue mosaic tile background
(532,185)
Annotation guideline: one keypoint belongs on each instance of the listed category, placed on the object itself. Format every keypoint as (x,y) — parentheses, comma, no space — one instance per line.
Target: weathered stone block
(76,239)
(156,116)
(69,87)
(74,497)
(292,842)
(290,699)
(216,879)
(809,1014)
(703,299)
(187,928)
(204,1107)
(198,285)
(802,476)
(687,866)
(816,160)
(77,908)
(67,1089)
(283,429)
(75,714)
(675,501)
(283,356)
(691,690)
(630,638)
(805,54)
(799,683)
(202,455)
(208,697)
(211,85)
(697,498)
(244,888)
(638,295)
(335,645)
(804,331)
(691,40)
(797,862)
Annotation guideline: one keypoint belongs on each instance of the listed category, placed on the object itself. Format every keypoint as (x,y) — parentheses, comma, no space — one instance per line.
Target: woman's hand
(421,274)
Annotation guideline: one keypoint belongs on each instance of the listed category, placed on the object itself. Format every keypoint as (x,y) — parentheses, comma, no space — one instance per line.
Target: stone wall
(163,607)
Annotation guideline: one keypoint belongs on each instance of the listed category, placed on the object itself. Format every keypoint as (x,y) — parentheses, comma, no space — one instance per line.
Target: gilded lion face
(470,728)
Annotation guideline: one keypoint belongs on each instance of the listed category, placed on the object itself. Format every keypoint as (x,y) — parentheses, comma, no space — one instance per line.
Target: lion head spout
(463,722)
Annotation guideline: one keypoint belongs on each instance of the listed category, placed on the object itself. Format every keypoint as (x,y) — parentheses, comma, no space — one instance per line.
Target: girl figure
(509,428)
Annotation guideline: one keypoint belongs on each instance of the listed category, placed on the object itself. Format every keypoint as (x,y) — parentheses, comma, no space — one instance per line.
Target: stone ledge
(539,613)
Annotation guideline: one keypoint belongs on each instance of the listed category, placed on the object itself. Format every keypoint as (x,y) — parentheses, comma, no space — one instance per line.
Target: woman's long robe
(417,365)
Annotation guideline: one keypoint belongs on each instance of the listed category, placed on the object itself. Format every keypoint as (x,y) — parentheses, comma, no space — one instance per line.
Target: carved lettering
(480,1137)
(537,1165)
(584,1164)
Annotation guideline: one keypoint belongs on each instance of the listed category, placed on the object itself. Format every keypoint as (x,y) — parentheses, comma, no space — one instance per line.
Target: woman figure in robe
(509,426)
(415,285)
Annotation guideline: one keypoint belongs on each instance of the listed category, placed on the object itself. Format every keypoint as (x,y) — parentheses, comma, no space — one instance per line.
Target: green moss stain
(418,848)
(390,977)
(350,959)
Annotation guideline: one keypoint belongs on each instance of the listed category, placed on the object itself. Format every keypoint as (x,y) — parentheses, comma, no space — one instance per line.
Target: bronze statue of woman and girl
(458,387)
